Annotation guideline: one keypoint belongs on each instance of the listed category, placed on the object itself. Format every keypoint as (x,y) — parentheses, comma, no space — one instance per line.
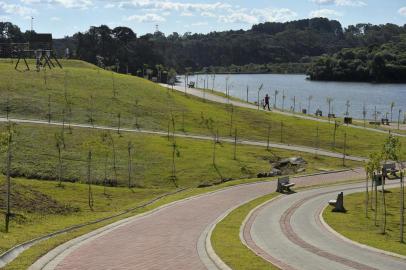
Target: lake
(296,86)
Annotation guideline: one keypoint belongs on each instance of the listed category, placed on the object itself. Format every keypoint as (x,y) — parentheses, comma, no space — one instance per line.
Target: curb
(363,246)
(12,253)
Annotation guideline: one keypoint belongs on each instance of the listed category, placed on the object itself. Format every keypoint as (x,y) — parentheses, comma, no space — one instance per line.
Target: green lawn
(226,239)
(26,94)
(35,156)
(357,227)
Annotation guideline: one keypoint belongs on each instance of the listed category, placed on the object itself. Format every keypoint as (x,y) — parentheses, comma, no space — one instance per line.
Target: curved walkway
(289,233)
(169,237)
(216,98)
(290,147)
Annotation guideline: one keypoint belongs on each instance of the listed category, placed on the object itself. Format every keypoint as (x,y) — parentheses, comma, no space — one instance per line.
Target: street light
(259,90)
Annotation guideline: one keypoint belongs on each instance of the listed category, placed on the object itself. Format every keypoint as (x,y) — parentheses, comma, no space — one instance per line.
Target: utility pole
(400,112)
(345,148)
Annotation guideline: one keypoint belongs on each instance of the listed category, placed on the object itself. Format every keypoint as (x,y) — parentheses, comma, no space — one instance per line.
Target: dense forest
(374,63)
(266,47)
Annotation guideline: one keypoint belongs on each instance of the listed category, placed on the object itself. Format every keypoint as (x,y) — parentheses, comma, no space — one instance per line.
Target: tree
(59,144)
(6,144)
(392,105)
(130,148)
(175,152)
(309,99)
(329,102)
(276,94)
(390,151)
(347,105)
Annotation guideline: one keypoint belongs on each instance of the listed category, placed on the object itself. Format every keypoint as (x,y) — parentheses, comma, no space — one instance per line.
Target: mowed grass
(40,207)
(35,156)
(226,239)
(355,226)
(103,95)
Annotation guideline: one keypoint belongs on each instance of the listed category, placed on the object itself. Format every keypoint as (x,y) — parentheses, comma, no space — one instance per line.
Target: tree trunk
(402,206)
(8,182)
(383,206)
(89,180)
(366,195)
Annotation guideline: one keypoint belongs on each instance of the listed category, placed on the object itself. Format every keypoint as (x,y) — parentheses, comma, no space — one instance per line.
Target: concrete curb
(9,255)
(13,253)
(63,249)
(243,225)
(363,246)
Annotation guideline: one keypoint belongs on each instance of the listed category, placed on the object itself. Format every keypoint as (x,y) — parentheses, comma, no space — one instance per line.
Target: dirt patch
(28,200)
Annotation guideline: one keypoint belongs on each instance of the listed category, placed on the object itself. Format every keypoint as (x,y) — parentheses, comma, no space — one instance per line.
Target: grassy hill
(41,207)
(88,93)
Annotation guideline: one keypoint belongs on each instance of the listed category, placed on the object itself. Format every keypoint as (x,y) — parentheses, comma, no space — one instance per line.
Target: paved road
(169,238)
(215,98)
(191,136)
(288,232)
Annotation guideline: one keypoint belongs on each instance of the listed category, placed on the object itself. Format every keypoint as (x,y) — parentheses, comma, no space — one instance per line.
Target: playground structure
(39,48)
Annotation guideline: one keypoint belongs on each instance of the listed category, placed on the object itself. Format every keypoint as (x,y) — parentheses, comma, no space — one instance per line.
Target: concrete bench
(390,168)
(338,203)
(284,184)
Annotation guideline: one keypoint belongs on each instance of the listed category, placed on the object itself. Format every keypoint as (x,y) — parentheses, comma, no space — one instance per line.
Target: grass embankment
(226,239)
(26,95)
(355,226)
(36,156)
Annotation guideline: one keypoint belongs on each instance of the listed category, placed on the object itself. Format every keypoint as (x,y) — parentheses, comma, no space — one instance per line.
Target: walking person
(267,102)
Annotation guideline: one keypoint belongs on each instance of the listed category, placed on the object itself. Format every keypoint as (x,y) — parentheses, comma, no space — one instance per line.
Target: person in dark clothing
(267,102)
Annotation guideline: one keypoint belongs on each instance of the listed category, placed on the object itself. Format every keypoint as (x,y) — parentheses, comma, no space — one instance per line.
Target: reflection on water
(298,88)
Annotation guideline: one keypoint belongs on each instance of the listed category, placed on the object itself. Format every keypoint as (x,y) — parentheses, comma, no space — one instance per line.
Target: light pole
(259,90)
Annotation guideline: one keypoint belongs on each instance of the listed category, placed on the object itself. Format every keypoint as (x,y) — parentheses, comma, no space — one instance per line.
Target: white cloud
(342,3)
(208,14)
(238,17)
(200,24)
(146,18)
(402,11)
(81,4)
(173,5)
(16,9)
(55,19)
(274,15)
(326,13)
(186,14)
(258,15)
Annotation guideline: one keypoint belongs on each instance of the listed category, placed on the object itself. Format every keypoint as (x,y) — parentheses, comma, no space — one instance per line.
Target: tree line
(374,63)
(291,42)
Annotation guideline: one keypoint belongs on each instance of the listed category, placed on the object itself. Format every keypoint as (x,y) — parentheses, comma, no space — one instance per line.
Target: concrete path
(215,98)
(289,233)
(169,238)
(191,136)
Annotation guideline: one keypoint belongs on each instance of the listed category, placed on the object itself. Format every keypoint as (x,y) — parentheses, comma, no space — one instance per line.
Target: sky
(66,17)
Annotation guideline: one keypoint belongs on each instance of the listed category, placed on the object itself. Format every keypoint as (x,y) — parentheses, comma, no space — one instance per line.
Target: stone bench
(338,203)
(284,184)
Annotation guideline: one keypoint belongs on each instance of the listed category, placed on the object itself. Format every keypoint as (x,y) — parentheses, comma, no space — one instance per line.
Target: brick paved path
(167,239)
(289,233)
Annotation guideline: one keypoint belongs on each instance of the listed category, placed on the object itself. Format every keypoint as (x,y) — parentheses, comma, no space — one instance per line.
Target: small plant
(6,144)
(59,144)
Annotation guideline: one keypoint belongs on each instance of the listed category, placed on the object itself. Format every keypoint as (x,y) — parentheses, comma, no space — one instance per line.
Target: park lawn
(151,106)
(355,226)
(35,156)
(227,243)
